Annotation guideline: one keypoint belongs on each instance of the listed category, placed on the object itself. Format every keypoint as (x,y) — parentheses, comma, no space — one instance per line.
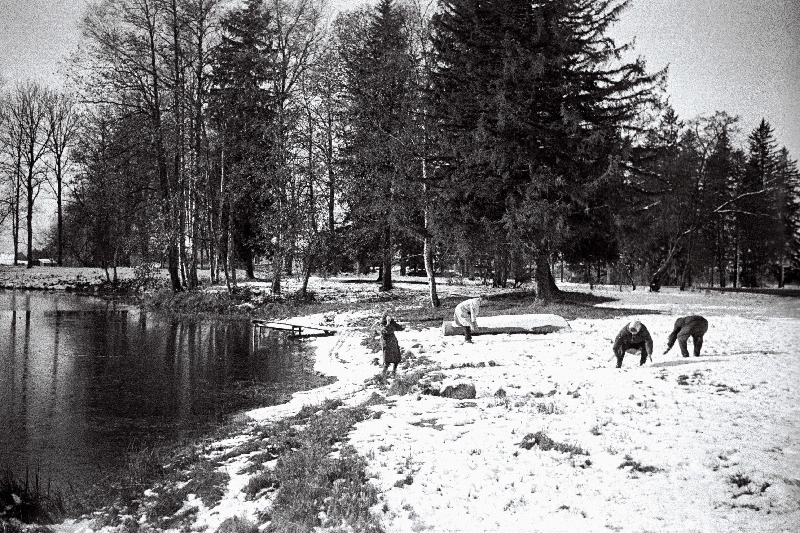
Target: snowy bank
(698,444)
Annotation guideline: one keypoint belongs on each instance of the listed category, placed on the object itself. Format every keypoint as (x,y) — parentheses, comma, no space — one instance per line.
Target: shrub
(146,276)
(237,525)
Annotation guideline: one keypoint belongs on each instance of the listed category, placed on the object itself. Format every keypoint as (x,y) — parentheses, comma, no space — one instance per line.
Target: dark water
(83,381)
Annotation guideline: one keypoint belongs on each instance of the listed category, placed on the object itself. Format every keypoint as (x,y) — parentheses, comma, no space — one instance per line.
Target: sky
(738,56)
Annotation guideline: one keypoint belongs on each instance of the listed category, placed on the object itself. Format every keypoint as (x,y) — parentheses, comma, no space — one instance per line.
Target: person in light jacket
(466,316)
(389,345)
(633,338)
(694,326)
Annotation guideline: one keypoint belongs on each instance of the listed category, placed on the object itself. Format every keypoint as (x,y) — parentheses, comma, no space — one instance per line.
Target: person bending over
(466,316)
(694,326)
(633,338)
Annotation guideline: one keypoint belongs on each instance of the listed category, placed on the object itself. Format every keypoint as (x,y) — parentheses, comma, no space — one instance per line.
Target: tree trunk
(386,263)
(59,213)
(250,267)
(657,280)
(546,288)
(309,266)
(229,260)
(29,216)
(15,221)
(427,244)
(687,268)
(161,159)
(277,268)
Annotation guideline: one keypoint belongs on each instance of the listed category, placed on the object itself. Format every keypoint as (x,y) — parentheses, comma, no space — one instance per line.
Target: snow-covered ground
(699,444)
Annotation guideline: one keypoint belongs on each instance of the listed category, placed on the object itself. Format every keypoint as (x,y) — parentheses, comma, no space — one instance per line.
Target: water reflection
(82,381)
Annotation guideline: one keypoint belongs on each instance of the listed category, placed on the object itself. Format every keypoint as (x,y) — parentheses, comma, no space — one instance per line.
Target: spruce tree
(380,73)
(534,105)
(760,215)
(788,180)
(722,169)
(242,111)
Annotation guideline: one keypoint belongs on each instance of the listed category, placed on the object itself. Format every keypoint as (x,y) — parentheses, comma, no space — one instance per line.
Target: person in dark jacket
(694,326)
(389,344)
(633,338)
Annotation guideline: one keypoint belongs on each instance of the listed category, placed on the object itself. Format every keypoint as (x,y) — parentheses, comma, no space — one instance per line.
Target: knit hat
(634,327)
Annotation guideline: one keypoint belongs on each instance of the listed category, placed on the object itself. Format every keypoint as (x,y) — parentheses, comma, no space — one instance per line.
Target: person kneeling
(633,338)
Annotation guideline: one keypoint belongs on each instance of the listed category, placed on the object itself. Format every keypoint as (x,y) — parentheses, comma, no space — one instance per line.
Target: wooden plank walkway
(295,329)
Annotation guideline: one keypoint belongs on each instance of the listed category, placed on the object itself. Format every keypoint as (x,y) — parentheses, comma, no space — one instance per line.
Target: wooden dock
(296,330)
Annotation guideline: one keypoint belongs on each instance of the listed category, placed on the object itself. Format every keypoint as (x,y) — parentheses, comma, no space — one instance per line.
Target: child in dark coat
(694,326)
(389,344)
(633,338)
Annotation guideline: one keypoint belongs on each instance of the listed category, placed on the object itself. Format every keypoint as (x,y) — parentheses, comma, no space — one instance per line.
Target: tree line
(496,138)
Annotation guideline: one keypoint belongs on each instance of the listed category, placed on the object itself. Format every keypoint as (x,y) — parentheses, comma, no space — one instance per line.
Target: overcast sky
(740,56)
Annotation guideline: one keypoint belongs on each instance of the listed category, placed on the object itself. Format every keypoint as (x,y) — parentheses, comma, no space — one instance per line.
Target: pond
(83,381)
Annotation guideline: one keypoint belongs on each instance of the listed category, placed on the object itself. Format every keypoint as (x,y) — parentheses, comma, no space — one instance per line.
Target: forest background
(499,139)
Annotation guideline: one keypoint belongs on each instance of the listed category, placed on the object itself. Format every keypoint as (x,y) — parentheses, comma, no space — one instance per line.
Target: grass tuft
(27,500)
(545,443)
(739,479)
(636,466)
(317,488)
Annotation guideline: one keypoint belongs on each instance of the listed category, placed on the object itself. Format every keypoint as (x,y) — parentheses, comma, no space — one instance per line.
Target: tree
(325,111)
(110,216)
(533,103)
(200,20)
(723,168)
(759,221)
(298,33)
(28,112)
(11,164)
(63,124)
(124,66)
(242,112)
(789,179)
(675,190)
(380,72)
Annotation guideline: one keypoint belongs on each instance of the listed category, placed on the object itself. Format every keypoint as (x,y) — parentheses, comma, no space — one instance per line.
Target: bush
(237,525)
(146,276)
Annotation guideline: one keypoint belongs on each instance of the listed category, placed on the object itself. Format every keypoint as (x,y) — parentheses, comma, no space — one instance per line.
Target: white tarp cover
(540,323)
